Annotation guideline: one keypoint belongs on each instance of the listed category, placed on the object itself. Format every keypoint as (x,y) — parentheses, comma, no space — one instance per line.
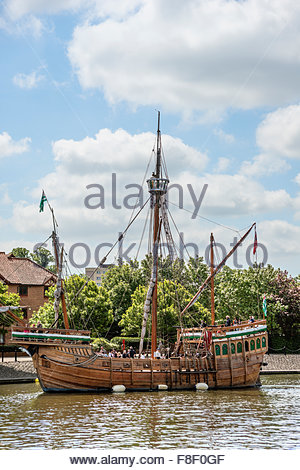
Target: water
(265,418)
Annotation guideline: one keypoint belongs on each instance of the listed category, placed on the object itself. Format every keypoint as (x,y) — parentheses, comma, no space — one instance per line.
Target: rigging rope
(110,250)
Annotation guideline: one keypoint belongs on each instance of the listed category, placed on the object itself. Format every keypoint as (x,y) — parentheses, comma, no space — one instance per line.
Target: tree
(172,298)
(239,292)
(7,298)
(194,274)
(121,282)
(285,301)
(21,252)
(90,309)
(43,257)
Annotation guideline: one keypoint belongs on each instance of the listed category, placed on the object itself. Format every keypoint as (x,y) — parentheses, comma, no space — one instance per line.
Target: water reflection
(251,418)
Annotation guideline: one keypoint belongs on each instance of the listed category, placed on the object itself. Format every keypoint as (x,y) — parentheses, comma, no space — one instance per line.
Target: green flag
(264,306)
(43,200)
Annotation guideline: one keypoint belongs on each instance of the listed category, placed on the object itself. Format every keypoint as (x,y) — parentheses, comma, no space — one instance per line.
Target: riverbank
(281,364)
(23,370)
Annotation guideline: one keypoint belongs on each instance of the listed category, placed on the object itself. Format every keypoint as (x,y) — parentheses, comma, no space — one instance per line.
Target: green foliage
(285,302)
(91,309)
(129,340)
(8,299)
(121,282)
(239,292)
(107,345)
(195,272)
(45,314)
(171,299)
(41,256)
(21,252)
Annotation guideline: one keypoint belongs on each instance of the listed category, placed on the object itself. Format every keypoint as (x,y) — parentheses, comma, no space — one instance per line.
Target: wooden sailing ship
(217,356)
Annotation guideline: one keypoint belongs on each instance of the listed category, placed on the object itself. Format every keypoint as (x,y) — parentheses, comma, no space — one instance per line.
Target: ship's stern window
(224,350)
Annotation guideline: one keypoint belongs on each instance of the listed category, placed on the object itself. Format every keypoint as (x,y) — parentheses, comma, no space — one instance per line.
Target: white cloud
(193,55)
(228,138)
(222,165)
(27,81)
(4,196)
(235,195)
(121,150)
(297,179)
(279,140)
(279,135)
(95,8)
(264,165)
(10,147)
(281,237)
(16,9)
(92,160)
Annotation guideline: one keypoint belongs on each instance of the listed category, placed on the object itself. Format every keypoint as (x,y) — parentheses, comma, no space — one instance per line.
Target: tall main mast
(156,240)
(212,281)
(157,187)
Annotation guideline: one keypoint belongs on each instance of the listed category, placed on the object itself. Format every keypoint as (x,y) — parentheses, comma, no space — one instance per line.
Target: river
(264,418)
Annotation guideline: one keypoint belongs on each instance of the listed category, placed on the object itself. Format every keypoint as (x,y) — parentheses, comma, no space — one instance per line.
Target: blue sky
(80,85)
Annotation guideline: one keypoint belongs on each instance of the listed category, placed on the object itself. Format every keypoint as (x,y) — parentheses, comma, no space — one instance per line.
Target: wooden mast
(212,286)
(59,286)
(156,241)
(217,269)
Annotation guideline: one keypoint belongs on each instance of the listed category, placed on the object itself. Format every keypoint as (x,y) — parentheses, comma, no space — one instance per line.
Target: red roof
(23,271)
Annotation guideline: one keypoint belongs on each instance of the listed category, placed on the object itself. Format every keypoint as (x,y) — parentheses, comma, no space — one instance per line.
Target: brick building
(26,278)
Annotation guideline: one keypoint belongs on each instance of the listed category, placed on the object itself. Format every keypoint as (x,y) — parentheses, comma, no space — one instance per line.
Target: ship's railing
(221,329)
(47,335)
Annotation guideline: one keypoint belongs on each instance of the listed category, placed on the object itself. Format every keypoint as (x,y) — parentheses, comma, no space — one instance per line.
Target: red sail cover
(255,243)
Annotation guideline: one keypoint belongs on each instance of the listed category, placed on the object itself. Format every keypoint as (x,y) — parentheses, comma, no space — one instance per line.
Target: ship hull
(69,369)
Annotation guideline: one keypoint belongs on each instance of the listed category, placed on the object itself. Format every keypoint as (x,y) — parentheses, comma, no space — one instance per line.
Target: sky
(81,83)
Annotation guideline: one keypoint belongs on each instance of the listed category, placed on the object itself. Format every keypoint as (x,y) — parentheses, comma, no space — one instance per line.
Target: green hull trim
(16,335)
(229,335)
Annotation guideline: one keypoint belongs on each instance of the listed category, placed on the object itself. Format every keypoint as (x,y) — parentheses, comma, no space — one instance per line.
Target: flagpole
(59,292)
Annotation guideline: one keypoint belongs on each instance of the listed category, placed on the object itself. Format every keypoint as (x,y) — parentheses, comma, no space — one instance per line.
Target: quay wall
(14,372)
(282,362)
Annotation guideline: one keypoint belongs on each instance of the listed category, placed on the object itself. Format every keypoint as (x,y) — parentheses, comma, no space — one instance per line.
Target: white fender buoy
(162,387)
(201,386)
(119,388)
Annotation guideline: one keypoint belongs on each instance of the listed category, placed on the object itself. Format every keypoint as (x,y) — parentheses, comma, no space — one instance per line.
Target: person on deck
(228,321)
(131,352)
(157,354)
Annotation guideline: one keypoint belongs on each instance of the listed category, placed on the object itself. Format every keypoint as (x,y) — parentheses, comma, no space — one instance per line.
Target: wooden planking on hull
(82,370)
